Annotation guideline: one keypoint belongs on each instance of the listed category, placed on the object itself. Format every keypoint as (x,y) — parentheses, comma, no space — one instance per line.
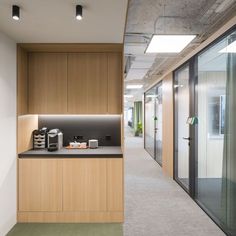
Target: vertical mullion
(192,82)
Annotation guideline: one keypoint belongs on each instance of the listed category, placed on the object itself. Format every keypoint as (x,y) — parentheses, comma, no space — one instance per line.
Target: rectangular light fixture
(151,96)
(134,86)
(128,96)
(168,43)
(231,48)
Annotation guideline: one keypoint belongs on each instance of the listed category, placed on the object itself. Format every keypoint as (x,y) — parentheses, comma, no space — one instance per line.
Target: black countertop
(101,151)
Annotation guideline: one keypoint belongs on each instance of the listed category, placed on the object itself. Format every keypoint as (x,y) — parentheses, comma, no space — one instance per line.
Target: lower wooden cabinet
(70,190)
(40,187)
(84,185)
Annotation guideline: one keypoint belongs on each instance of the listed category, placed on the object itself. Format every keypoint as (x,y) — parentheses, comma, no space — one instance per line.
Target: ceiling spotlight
(79,12)
(15,12)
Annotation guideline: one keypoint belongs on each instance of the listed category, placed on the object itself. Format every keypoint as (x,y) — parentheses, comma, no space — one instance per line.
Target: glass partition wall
(211,162)
(153,122)
(216,103)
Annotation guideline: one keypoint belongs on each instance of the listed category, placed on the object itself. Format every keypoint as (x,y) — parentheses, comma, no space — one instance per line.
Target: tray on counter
(69,147)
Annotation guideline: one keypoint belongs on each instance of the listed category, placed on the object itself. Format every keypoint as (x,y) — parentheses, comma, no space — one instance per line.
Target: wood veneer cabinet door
(47,83)
(84,184)
(40,185)
(87,83)
(115,83)
(115,193)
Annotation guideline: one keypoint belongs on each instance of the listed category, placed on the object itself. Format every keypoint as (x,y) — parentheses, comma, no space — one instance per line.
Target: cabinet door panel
(115,82)
(115,193)
(47,83)
(40,186)
(84,185)
(87,83)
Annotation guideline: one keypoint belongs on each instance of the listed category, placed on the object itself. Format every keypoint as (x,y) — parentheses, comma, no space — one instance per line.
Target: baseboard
(70,217)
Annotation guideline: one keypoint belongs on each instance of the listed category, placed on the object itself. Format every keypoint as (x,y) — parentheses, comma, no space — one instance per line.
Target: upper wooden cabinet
(115,83)
(47,83)
(74,83)
(87,83)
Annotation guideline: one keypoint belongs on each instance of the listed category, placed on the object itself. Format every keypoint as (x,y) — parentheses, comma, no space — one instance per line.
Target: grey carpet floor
(155,205)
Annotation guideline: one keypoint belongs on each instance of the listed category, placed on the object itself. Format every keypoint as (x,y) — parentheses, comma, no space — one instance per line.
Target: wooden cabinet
(40,187)
(47,83)
(115,83)
(84,185)
(87,83)
(70,190)
(75,83)
(115,194)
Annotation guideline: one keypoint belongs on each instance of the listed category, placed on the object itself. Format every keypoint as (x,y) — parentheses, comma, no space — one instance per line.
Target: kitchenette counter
(104,151)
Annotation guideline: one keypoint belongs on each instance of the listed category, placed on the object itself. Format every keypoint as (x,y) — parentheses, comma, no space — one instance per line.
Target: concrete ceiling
(53,21)
(145,18)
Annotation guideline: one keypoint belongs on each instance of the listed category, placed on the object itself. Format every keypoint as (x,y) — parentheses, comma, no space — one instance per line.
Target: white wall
(7,134)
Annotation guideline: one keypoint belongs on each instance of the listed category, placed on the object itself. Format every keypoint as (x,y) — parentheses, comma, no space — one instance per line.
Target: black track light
(79,11)
(15,12)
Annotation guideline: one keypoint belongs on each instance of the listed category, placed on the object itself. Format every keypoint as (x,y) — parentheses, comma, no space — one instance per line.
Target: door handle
(188,138)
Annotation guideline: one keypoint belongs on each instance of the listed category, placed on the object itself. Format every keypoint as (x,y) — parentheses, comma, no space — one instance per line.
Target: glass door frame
(158,84)
(192,64)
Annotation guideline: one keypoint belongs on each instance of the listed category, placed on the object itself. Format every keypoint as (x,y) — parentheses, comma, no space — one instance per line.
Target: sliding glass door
(153,122)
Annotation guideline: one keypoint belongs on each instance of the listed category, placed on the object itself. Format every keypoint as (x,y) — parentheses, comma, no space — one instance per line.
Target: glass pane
(149,121)
(158,125)
(216,103)
(182,127)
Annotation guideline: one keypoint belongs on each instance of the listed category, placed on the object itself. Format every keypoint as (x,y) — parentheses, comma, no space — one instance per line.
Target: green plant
(139,129)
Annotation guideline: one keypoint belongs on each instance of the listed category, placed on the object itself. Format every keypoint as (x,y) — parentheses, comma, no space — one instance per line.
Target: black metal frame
(187,64)
(158,84)
(193,63)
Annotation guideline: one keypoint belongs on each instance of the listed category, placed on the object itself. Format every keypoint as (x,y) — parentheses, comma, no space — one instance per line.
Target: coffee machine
(55,140)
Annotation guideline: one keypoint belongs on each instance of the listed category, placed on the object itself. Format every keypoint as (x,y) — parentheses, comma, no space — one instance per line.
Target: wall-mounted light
(15,12)
(79,12)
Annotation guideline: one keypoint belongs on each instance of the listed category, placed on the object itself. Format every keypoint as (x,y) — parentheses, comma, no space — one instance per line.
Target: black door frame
(158,84)
(191,64)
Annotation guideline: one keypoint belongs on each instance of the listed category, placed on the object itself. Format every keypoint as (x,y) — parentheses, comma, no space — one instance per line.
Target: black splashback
(88,126)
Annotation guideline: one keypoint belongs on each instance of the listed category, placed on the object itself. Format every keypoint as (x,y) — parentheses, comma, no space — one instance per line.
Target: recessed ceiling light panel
(134,86)
(128,96)
(169,43)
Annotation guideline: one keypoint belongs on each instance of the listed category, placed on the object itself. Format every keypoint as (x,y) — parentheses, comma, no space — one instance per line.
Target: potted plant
(139,129)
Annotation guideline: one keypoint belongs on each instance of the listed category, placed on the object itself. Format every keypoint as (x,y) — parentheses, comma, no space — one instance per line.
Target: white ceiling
(53,21)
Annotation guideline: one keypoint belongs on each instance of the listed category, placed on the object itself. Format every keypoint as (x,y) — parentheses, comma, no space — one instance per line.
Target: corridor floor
(155,205)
